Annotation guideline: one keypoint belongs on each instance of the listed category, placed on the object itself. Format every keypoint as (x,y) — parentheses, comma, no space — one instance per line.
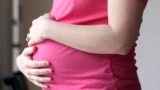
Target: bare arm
(118,37)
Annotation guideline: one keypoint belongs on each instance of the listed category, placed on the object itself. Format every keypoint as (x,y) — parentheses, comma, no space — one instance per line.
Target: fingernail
(46,63)
(50,70)
(49,79)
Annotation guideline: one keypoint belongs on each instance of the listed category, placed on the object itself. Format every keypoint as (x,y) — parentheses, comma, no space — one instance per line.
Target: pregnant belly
(63,57)
(72,66)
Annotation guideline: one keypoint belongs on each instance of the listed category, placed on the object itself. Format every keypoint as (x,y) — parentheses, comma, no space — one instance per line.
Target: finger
(29,50)
(34,21)
(28,37)
(31,29)
(39,84)
(40,79)
(38,71)
(30,42)
(36,64)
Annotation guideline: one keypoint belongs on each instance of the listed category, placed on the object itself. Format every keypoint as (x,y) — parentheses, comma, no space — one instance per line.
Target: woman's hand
(38,29)
(33,70)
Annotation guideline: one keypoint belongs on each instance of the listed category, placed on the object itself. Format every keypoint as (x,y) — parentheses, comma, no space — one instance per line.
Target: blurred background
(16,17)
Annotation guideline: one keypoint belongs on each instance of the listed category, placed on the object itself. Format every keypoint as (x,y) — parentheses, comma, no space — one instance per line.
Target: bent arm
(118,37)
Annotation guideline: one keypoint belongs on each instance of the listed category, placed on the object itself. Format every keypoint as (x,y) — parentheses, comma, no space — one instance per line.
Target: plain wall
(148,50)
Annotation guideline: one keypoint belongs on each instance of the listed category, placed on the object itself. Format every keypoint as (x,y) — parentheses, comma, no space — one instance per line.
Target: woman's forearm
(118,37)
(98,39)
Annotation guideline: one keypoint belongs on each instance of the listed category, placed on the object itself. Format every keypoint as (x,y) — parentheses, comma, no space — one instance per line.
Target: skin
(118,37)
(33,69)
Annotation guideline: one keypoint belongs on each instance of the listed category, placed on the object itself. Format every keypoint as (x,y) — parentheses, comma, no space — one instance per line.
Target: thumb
(29,50)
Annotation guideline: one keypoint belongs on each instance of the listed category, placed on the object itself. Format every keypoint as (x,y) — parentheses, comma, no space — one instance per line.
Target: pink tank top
(78,70)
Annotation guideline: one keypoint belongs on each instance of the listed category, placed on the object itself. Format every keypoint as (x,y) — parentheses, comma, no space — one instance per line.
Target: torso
(77,70)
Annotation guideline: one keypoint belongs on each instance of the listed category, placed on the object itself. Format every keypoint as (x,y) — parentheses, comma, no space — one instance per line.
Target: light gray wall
(148,50)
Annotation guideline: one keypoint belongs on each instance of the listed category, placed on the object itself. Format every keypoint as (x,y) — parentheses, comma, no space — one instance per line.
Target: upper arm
(125,17)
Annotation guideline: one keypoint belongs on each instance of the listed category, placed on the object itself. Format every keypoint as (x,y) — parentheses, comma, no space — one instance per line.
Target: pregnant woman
(84,45)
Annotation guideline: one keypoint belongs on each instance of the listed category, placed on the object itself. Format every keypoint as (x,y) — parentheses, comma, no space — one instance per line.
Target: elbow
(123,52)
(116,49)
(123,49)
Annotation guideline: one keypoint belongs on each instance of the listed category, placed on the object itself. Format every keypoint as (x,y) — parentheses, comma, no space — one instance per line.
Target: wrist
(45,34)
(50,30)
